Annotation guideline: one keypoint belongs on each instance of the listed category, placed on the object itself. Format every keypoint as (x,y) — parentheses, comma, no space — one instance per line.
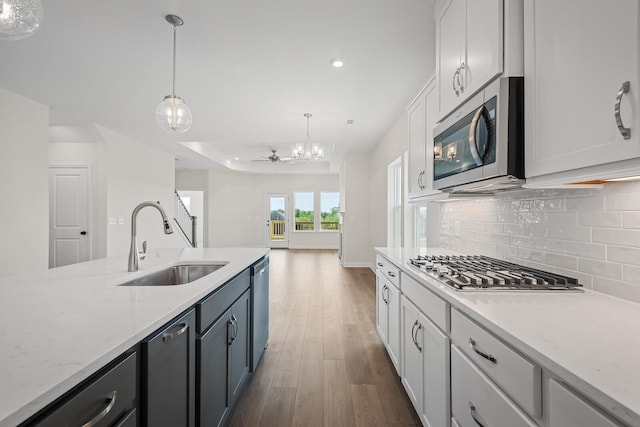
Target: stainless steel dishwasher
(259,310)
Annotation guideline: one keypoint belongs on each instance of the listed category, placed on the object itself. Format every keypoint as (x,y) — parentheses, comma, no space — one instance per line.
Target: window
(329,208)
(394,204)
(305,212)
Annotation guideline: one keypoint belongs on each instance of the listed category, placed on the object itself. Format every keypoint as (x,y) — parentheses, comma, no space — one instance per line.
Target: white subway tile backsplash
(587,250)
(617,288)
(615,236)
(631,273)
(600,219)
(610,270)
(631,219)
(590,234)
(563,261)
(623,254)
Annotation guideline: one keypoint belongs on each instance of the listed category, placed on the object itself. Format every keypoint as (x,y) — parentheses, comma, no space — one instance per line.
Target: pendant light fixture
(172,114)
(20,18)
(306,150)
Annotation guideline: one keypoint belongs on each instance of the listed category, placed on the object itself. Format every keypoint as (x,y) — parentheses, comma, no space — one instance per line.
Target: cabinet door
(417,156)
(411,353)
(212,349)
(168,379)
(436,407)
(483,56)
(239,346)
(450,46)
(382,312)
(431,112)
(578,54)
(393,335)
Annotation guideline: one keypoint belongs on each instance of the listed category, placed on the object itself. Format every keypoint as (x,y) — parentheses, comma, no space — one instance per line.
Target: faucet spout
(134,254)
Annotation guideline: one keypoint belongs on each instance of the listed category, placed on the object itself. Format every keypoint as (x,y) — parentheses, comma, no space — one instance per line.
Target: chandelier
(19,18)
(307,150)
(172,114)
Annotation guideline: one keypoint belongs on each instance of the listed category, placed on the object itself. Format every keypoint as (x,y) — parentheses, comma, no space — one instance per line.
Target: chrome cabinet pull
(413,333)
(625,132)
(460,84)
(231,337)
(391,273)
(111,401)
(453,82)
(171,335)
(416,338)
(234,322)
(380,264)
(490,358)
(385,288)
(472,411)
(481,112)
(420,180)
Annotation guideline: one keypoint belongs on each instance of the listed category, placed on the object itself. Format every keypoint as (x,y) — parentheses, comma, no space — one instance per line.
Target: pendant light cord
(174,62)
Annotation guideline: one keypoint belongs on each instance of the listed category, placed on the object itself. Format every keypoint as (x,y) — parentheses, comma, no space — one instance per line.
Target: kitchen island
(61,326)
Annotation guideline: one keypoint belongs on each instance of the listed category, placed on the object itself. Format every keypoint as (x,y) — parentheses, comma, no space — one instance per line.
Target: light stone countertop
(59,326)
(591,340)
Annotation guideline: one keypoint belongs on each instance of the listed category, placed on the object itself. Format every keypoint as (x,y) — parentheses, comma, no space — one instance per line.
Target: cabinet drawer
(217,303)
(518,377)
(105,400)
(475,400)
(390,271)
(432,306)
(568,410)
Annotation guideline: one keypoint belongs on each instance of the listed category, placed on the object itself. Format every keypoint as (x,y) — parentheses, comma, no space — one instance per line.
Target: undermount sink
(176,275)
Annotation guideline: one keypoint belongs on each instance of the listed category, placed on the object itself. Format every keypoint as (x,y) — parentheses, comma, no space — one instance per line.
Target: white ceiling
(248,69)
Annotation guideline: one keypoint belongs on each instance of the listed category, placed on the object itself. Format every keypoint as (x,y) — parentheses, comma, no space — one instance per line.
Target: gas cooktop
(480,273)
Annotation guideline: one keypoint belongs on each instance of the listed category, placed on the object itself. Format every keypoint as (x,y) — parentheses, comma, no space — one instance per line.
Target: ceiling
(248,69)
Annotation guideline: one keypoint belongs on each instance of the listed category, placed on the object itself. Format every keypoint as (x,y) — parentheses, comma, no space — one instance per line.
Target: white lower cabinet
(568,410)
(388,317)
(425,366)
(477,401)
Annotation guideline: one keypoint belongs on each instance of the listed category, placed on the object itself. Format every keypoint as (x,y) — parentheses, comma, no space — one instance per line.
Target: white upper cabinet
(469,43)
(579,56)
(421,117)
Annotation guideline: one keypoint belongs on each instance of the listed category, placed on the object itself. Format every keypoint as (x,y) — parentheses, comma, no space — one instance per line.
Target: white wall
(356,241)
(392,146)
(136,172)
(593,235)
(24,188)
(93,155)
(237,207)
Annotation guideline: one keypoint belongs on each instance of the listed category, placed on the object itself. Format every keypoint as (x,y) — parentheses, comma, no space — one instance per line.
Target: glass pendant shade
(173,115)
(20,18)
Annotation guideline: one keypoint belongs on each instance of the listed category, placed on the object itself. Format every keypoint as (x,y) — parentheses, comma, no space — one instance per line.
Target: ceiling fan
(273,158)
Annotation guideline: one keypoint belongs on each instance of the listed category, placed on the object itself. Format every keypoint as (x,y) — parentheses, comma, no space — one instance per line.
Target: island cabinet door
(212,403)
(168,376)
(239,347)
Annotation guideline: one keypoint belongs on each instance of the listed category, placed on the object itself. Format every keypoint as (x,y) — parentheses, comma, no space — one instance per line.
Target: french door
(277,223)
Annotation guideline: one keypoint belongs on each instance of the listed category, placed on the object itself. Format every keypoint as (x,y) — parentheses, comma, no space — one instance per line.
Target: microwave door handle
(481,112)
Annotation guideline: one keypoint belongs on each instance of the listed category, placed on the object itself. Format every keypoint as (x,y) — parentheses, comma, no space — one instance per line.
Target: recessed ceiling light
(337,62)
(350,121)
(236,158)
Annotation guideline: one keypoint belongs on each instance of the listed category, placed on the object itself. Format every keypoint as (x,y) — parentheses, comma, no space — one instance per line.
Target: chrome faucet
(134,255)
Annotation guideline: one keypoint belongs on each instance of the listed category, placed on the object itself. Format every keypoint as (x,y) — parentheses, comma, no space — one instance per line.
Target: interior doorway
(277,231)
(69,202)
(193,200)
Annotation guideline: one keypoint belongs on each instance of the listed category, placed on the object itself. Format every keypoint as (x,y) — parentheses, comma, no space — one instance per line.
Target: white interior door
(277,223)
(68,215)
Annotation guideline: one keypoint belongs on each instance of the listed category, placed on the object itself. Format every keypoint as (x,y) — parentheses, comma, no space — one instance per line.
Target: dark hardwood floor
(325,365)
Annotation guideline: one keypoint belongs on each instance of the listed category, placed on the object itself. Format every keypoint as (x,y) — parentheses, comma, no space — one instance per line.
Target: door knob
(83,233)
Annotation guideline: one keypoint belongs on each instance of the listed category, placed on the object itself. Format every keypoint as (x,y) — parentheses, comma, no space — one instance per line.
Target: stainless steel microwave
(480,146)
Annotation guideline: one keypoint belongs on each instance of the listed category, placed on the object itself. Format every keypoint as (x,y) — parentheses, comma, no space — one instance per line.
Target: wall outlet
(121,221)
(112,221)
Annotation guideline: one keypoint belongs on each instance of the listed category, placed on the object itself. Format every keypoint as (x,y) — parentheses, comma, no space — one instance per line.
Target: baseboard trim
(356,264)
